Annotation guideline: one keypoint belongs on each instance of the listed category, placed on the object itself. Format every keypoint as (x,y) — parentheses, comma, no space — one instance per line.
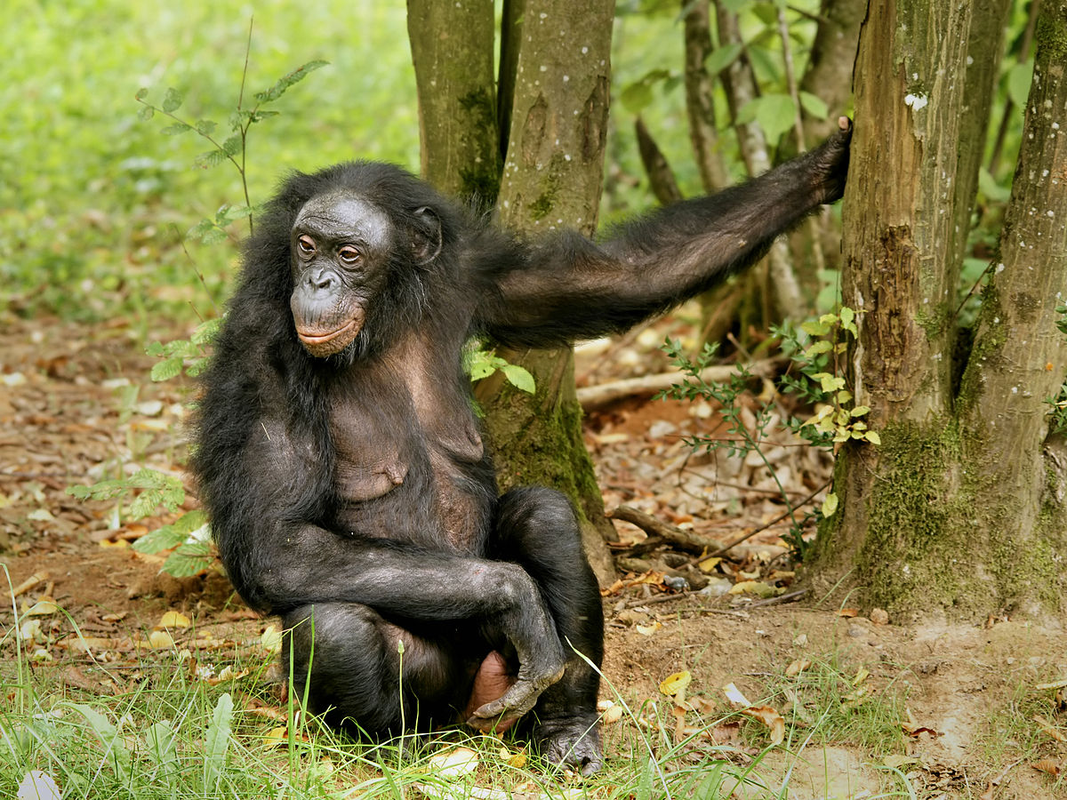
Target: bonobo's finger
(844,123)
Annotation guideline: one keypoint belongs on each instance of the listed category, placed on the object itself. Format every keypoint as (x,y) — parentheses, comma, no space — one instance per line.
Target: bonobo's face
(339,245)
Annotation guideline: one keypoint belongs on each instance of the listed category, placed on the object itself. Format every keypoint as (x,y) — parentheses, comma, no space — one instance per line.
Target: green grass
(94,202)
(172,734)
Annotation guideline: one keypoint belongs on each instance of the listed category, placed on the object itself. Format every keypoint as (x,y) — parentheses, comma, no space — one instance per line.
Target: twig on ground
(592,397)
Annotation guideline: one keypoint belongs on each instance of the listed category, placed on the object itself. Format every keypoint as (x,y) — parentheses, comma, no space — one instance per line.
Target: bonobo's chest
(408,457)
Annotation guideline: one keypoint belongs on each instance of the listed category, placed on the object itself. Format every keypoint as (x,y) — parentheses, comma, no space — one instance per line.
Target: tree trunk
(1019,357)
(956,511)
(699,101)
(549,121)
(553,173)
(452,48)
(829,71)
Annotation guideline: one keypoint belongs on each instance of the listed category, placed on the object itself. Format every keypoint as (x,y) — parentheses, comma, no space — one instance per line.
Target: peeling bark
(960,511)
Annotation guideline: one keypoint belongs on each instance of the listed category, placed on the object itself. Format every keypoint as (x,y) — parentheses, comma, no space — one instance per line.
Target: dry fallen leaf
(276,736)
(1049,766)
(648,630)
(160,640)
(1049,728)
(758,588)
(1060,684)
(42,608)
(770,717)
(271,640)
(914,730)
(611,713)
(847,612)
(797,667)
(454,763)
(517,760)
(172,619)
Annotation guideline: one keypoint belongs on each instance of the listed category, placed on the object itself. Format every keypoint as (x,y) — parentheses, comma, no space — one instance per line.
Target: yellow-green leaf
(829,505)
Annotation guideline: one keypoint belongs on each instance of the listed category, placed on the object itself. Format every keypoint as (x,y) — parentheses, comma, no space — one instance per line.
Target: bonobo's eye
(306,245)
(349,255)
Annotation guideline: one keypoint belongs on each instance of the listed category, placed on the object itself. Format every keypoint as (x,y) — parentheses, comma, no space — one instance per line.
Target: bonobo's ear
(425,236)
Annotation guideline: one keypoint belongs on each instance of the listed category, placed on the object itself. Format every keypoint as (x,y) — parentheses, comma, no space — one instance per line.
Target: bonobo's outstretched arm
(566,287)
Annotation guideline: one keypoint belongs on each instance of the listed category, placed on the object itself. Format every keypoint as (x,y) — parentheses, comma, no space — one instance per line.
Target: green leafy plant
(479,363)
(816,354)
(726,395)
(836,416)
(233,147)
(184,355)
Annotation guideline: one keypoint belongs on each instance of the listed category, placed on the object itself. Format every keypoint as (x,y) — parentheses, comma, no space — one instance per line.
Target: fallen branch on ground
(596,396)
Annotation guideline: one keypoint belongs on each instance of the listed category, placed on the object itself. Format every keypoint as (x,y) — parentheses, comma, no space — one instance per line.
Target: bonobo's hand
(831,163)
(529,626)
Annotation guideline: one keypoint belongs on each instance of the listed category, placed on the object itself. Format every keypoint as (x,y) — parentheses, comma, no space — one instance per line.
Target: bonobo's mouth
(321,345)
(309,338)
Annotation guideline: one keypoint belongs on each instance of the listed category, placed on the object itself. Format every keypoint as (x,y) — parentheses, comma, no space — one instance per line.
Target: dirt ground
(68,415)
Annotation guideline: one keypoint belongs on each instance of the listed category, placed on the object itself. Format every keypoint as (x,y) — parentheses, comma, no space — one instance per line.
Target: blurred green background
(94,202)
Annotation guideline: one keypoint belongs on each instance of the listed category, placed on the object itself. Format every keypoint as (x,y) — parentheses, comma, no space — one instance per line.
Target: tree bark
(699,100)
(1019,357)
(960,510)
(549,121)
(989,20)
(553,173)
(452,48)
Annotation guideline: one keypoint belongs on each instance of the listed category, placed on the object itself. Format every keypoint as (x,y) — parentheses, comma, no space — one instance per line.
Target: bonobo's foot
(572,742)
(520,697)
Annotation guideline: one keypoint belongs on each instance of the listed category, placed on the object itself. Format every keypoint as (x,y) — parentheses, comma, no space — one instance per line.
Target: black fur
(351,495)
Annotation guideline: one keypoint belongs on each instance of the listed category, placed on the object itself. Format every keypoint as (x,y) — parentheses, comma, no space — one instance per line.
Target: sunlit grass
(94,203)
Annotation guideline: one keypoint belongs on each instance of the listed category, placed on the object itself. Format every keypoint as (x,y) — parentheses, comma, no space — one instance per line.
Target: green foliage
(150,489)
(480,363)
(190,355)
(816,353)
(92,203)
(232,148)
(726,395)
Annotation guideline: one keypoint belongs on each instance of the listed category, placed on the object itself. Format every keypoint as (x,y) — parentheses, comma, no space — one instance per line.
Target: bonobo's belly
(434,500)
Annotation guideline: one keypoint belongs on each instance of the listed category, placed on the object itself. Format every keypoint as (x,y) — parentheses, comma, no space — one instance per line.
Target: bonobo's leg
(536,527)
(355,669)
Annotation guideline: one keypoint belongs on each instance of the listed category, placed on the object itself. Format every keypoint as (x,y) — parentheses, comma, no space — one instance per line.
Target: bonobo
(341,461)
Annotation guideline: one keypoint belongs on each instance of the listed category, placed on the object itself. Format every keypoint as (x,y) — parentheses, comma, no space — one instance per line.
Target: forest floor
(950,710)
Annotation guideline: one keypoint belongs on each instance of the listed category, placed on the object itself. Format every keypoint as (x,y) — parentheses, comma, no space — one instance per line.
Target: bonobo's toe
(573,743)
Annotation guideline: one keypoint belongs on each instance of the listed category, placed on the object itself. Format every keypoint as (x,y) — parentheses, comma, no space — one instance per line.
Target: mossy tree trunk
(960,509)
(452,49)
(548,124)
